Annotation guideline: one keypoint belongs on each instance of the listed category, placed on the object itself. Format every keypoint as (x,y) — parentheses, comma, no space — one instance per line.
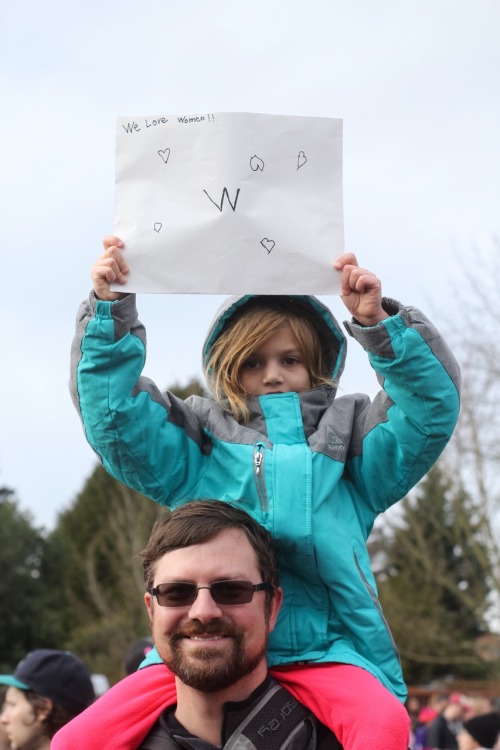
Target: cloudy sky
(416,83)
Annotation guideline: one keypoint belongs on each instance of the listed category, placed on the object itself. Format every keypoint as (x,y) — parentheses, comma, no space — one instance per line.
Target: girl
(47,689)
(314,469)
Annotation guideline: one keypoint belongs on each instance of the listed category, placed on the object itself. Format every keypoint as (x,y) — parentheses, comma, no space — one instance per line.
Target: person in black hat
(137,653)
(47,689)
(480,732)
(4,741)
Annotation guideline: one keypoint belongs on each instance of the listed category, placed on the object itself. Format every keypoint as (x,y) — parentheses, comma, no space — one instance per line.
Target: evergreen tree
(192,388)
(435,580)
(28,590)
(102,593)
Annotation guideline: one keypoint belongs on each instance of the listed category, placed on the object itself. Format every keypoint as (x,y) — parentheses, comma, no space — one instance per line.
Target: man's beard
(208,669)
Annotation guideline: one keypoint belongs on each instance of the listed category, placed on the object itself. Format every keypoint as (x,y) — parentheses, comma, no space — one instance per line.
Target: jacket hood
(331,335)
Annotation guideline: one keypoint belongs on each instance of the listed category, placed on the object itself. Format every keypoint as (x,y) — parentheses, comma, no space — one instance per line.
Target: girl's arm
(150,441)
(399,436)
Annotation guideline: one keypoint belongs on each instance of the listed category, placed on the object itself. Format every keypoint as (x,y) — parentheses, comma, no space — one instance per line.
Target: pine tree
(27,585)
(101,584)
(435,580)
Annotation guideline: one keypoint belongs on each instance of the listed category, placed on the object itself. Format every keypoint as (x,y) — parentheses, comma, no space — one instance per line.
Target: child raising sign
(313,468)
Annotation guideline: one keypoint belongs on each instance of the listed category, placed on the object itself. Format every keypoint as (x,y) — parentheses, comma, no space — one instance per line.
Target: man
(442,732)
(480,732)
(213,597)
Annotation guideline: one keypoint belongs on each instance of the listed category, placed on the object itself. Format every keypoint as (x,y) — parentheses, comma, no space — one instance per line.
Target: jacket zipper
(258,470)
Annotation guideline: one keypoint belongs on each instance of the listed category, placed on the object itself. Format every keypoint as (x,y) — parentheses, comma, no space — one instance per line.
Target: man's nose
(204,608)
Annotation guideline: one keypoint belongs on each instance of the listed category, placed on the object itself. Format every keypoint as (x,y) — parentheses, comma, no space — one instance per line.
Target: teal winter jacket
(313,468)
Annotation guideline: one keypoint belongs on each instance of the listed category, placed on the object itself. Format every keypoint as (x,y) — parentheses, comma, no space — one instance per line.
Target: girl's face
(275,367)
(23,728)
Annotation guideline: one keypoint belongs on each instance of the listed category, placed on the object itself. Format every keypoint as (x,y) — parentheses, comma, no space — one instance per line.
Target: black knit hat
(57,675)
(484,729)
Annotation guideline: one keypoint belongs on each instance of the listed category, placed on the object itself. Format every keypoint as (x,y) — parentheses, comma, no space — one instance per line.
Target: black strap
(269,723)
(275,718)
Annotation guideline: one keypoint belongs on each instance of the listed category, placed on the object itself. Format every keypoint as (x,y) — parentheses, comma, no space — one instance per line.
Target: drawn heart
(164,154)
(157,227)
(301,160)
(256,164)
(267,244)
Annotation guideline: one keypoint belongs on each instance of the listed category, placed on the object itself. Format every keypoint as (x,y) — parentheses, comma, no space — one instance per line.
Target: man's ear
(275,607)
(149,602)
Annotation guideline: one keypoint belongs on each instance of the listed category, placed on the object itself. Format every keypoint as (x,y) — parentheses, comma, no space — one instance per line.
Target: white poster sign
(230,203)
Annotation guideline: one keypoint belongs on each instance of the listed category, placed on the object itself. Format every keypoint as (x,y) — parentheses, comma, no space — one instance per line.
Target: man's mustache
(197,628)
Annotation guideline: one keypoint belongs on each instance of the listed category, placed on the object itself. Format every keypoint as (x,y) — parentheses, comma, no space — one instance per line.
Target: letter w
(225,194)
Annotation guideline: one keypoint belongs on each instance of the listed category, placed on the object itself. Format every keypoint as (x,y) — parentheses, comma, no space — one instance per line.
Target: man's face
(211,646)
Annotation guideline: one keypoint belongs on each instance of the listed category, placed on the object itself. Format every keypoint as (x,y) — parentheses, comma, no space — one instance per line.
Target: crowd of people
(50,688)
(210,626)
(454,721)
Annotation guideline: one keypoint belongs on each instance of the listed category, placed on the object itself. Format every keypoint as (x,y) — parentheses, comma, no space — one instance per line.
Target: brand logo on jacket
(333,441)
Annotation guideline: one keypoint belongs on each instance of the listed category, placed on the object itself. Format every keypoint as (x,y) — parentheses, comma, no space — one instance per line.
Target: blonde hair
(245,333)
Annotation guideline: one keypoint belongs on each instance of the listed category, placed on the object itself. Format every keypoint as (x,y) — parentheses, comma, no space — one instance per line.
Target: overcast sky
(416,83)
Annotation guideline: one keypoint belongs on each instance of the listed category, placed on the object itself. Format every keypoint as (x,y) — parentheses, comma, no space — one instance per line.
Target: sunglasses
(183,594)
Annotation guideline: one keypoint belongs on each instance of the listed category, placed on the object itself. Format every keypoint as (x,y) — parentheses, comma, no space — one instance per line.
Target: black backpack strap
(277,721)
(271,721)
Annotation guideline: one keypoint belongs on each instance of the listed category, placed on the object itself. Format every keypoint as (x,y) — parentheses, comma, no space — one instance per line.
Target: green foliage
(28,563)
(435,580)
(192,388)
(102,584)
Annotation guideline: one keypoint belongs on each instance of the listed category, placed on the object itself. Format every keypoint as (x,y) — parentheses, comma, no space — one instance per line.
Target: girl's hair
(249,329)
(56,718)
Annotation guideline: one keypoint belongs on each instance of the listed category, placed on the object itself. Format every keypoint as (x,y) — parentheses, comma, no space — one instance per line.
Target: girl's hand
(109,268)
(361,291)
